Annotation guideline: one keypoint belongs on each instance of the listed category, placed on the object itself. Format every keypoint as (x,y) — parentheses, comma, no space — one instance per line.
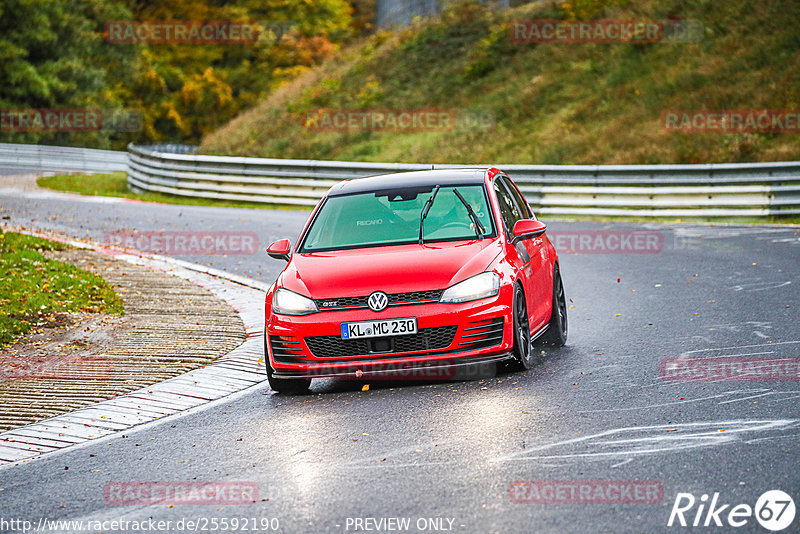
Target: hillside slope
(552,103)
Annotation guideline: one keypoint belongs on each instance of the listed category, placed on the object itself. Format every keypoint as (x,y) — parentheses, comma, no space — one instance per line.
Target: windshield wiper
(425,209)
(479,228)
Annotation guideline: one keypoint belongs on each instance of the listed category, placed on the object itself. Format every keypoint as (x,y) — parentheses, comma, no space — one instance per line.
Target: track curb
(236,371)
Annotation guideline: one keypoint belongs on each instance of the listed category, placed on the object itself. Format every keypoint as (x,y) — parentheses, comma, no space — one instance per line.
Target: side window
(509,210)
(521,202)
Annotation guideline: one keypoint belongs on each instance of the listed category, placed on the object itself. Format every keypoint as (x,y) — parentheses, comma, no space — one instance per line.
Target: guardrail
(60,158)
(710,190)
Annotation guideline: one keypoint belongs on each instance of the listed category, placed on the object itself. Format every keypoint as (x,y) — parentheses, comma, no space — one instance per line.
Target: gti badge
(378,301)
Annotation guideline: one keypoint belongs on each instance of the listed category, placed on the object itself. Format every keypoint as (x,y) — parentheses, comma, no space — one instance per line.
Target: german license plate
(379,328)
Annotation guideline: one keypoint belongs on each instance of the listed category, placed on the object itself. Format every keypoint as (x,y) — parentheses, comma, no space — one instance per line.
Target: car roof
(383,182)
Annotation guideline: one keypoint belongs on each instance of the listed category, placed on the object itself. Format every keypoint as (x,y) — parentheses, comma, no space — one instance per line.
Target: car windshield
(392,217)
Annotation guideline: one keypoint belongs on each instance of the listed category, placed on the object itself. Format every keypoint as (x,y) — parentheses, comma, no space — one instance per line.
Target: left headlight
(477,287)
(290,303)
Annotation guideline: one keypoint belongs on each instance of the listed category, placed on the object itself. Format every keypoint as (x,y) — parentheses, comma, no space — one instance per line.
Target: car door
(537,279)
(517,253)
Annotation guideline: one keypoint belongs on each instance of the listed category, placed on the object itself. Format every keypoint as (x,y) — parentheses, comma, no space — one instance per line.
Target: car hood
(394,269)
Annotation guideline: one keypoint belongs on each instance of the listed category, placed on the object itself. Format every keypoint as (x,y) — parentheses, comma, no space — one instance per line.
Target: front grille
(395,299)
(425,340)
(482,334)
(415,296)
(345,302)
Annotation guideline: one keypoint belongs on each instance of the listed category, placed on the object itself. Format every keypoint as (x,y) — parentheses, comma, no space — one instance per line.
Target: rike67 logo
(774,510)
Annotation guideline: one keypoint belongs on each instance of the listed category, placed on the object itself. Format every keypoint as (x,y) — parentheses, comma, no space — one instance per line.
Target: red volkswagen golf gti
(413,272)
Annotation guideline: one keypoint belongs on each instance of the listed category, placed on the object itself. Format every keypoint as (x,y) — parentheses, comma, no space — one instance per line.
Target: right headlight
(288,302)
(477,287)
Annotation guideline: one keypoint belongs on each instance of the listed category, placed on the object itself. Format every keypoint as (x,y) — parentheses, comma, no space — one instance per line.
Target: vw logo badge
(378,301)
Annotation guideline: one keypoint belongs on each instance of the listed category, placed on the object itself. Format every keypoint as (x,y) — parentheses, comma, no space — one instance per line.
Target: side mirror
(280,250)
(526,228)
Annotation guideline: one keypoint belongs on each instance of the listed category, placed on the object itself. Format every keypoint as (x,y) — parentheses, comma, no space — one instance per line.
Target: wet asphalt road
(444,455)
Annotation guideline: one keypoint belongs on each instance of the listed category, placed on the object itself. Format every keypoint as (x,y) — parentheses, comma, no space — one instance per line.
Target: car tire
(556,334)
(523,349)
(289,386)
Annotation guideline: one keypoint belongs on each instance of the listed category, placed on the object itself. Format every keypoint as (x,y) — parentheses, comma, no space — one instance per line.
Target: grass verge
(34,287)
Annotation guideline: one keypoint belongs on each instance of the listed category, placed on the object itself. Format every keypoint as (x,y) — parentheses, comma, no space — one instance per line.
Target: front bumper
(453,341)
